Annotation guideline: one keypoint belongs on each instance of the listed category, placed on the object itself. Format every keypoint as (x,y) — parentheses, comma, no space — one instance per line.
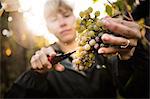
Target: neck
(68,47)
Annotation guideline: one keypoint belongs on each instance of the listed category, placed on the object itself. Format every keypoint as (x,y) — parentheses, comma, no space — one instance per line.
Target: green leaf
(109,10)
(94,1)
(120,5)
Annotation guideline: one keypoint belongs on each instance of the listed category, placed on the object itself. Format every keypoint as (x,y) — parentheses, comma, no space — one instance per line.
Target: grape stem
(126,4)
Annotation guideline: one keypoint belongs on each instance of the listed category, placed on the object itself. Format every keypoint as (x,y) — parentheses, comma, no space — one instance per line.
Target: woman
(99,81)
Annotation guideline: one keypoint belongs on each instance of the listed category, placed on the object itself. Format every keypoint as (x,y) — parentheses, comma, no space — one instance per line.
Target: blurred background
(23,31)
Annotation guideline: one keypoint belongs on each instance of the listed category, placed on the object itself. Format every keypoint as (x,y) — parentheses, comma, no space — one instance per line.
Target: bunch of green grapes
(89,31)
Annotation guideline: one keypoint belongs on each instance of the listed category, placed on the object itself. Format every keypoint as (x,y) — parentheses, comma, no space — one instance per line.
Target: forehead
(57,6)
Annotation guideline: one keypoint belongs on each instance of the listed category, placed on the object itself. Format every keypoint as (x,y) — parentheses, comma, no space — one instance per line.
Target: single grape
(83,22)
(100,34)
(88,23)
(90,27)
(90,9)
(96,46)
(83,53)
(80,49)
(102,45)
(87,13)
(81,29)
(99,23)
(77,61)
(92,42)
(91,33)
(87,47)
(95,27)
(78,21)
(97,39)
(81,67)
(84,39)
(91,55)
(87,17)
(97,13)
(82,43)
(81,14)
(77,27)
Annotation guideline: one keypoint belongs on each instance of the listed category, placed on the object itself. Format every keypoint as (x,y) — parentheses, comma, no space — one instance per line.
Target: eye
(67,14)
(53,18)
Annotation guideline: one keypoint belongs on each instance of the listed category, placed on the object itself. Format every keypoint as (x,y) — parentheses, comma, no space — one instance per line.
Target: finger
(108,50)
(130,24)
(113,40)
(33,65)
(120,29)
(36,65)
(43,59)
(120,41)
(38,62)
(112,54)
(59,67)
(125,55)
(48,51)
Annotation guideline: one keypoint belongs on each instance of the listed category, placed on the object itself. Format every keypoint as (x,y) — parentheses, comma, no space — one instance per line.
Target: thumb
(59,67)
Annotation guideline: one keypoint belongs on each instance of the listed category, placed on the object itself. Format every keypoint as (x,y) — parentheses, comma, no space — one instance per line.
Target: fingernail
(105,22)
(105,38)
(100,51)
(49,66)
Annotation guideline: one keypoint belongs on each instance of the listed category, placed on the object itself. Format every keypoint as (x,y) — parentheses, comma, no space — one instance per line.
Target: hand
(40,63)
(10,5)
(128,32)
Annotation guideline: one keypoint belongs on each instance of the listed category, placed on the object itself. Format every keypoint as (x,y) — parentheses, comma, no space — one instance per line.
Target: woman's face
(62,25)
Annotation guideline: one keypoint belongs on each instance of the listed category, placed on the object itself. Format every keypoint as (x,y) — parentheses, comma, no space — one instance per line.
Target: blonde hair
(53,6)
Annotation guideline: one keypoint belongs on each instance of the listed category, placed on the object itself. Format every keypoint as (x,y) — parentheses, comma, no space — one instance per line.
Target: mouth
(65,32)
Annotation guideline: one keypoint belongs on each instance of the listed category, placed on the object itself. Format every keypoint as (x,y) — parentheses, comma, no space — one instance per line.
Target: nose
(62,21)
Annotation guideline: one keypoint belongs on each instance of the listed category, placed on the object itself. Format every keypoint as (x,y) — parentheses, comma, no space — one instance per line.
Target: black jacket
(102,80)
